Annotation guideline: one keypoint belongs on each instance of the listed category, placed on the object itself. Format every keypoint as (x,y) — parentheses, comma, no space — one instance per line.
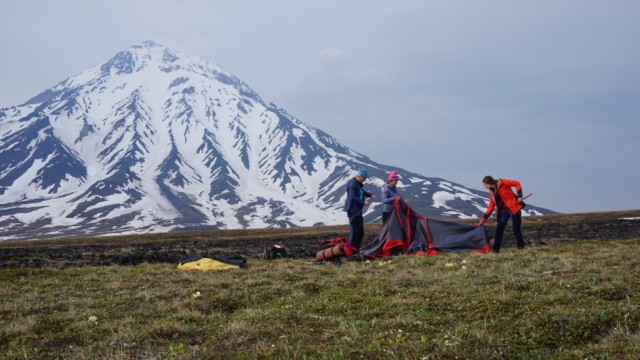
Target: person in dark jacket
(357,199)
(508,207)
(389,194)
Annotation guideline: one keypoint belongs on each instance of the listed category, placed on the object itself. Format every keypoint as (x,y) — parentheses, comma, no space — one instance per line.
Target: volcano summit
(154,140)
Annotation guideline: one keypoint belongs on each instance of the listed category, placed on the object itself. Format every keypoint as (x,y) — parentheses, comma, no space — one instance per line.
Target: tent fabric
(406,232)
(202,263)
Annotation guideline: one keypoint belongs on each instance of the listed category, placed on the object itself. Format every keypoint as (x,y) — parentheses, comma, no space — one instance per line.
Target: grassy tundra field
(574,293)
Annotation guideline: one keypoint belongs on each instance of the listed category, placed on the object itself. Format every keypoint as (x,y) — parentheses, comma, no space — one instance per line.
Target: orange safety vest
(508,197)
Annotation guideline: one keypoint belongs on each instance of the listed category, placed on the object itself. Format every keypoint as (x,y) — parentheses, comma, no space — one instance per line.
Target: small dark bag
(275,252)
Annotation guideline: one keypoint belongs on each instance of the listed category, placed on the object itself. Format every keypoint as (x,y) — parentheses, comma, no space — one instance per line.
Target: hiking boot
(356,257)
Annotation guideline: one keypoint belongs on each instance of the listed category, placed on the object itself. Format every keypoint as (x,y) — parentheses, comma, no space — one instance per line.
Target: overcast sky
(545,92)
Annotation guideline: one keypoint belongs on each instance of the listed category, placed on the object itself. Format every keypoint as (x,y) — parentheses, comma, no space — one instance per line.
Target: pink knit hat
(393,175)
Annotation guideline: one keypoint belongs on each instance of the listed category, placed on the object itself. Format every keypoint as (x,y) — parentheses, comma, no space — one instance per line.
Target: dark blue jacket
(355,197)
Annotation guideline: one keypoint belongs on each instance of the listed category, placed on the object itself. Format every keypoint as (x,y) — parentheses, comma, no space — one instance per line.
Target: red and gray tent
(406,232)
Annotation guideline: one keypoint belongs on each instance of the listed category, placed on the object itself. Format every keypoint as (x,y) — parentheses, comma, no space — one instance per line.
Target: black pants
(385,216)
(516,221)
(356,229)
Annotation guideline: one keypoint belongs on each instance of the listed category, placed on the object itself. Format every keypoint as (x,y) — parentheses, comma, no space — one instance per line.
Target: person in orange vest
(509,206)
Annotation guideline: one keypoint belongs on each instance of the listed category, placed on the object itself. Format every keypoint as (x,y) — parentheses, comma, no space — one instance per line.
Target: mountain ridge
(155,140)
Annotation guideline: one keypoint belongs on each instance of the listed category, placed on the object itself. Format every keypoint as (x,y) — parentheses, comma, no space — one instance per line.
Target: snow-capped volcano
(154,140)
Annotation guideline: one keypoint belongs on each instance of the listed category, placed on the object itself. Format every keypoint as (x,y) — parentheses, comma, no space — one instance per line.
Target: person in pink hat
(389,194)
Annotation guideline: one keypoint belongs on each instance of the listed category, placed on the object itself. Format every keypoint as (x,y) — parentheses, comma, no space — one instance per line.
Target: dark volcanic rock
(537,231)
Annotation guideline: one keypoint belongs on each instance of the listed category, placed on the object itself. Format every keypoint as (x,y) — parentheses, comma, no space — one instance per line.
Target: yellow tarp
(206,264)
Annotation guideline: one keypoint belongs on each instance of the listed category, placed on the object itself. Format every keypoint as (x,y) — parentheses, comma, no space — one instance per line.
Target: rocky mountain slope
(154,140)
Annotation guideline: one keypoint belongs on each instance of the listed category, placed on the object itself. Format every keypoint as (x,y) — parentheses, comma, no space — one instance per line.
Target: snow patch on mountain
(155,140)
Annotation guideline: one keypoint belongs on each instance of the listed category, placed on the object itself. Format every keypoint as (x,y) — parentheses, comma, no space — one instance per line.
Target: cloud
(459,90)
(334,71)
(332,59)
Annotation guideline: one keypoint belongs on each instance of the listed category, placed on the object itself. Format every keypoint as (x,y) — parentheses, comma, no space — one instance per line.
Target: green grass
(566,300)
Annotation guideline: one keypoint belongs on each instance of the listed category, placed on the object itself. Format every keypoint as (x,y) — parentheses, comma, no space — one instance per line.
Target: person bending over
(509,206)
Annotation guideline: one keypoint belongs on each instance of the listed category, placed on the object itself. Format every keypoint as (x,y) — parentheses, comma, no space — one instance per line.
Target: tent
(406,232)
